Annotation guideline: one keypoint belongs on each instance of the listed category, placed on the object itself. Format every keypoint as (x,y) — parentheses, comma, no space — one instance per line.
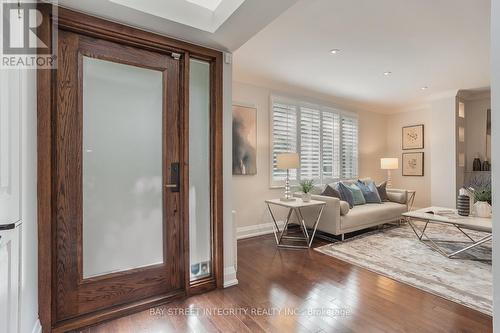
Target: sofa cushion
(398,197)
(331,192)
(344,208)
(357,195)
(369,213)
(345,194)
(370,191)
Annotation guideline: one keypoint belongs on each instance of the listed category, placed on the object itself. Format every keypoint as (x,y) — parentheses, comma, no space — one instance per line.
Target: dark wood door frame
(47,96)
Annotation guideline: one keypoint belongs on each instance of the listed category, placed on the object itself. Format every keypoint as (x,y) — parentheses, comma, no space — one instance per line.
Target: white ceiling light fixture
(334,51)
(424,88)
(387,73)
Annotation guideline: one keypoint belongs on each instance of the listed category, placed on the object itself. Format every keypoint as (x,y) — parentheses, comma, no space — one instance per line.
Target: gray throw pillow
(345,194)
(331,192)
(382,191)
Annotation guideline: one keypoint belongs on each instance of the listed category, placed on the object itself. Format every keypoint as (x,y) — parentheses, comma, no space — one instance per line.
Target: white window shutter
(330,146)
(284,137)
(310,144)
(349,147)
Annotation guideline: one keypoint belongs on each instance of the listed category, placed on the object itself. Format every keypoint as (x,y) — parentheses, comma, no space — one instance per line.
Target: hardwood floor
(320,293)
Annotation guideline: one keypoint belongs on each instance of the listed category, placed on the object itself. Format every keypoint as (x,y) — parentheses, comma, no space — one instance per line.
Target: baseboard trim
(37,328)
(230,277)
(256,230)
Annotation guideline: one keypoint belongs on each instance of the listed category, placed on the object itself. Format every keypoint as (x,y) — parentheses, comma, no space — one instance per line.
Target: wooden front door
(117,226)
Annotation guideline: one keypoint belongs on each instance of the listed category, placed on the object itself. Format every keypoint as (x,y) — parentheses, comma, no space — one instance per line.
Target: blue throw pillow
(357,195)
(345,194)
(370,192)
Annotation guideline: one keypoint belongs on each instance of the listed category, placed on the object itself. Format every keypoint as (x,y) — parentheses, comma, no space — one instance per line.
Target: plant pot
(482,209)
(306,197)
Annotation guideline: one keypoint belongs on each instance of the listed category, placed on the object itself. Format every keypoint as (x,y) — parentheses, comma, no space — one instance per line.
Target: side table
(295,207)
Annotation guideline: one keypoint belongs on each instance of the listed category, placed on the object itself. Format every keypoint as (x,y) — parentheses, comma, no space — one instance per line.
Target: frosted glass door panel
(122,167)
(199,170)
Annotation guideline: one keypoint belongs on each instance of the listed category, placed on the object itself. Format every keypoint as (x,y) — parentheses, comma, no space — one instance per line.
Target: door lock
(174,178)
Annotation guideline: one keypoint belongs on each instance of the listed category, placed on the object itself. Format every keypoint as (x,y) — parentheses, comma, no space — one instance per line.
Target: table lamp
(287,161)
(389,163)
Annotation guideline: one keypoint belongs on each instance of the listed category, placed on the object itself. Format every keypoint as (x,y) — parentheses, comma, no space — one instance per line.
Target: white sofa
(338,219)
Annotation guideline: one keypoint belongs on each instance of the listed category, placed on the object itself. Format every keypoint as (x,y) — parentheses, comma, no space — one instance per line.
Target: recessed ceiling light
(424,88)
(334,51)
(387,73)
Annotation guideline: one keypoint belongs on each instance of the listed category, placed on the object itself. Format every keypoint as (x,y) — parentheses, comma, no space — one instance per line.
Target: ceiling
(443,45)
(220,24)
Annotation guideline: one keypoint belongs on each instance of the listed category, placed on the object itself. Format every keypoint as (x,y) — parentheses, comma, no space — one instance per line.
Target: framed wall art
(413,137)
(413,164)
(244,140)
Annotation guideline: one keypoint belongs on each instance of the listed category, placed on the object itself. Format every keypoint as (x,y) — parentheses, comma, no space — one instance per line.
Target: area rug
(396,252)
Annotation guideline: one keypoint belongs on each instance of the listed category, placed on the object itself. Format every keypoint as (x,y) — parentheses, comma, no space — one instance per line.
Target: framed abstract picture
(413,137)
(413,164)
(244,140)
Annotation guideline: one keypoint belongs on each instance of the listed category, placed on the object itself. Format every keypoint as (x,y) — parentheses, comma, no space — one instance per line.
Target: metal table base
(281,235)
(432,242)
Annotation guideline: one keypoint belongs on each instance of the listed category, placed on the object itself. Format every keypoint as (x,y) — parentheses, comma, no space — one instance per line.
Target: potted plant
(306,186)
(482,207)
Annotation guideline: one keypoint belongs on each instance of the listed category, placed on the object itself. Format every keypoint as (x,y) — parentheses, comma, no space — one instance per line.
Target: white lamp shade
(389,163)
(287,161)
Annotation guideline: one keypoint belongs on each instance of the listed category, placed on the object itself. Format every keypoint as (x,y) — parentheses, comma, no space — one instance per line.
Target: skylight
(208,4)
(207,15)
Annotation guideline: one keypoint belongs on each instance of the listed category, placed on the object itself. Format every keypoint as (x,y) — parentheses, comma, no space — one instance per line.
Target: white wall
(395,123)
(495,131)
(443,153)
(249,192)
(29,271)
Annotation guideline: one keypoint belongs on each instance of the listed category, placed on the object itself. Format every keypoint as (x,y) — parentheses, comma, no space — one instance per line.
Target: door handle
(174,178)
(9,226)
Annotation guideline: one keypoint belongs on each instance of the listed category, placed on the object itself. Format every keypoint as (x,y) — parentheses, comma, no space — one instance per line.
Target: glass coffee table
(432,215)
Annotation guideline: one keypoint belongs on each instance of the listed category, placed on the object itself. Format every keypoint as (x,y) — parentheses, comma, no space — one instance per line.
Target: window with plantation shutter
(325,138)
